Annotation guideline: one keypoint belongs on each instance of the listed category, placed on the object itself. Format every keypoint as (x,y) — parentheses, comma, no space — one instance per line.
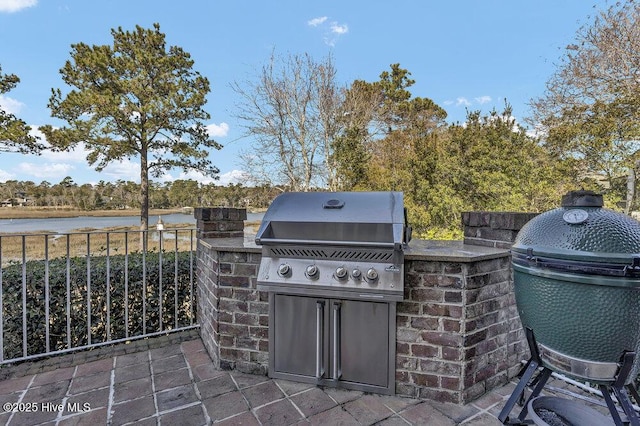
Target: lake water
(67,224)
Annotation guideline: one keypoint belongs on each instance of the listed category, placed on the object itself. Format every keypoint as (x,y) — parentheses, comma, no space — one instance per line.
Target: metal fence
(72,291)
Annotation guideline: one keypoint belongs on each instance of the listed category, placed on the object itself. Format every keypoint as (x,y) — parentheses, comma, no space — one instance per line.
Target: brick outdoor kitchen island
(458,332)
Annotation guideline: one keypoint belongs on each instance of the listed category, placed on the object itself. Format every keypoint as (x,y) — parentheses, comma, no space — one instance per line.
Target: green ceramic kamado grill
(577,287)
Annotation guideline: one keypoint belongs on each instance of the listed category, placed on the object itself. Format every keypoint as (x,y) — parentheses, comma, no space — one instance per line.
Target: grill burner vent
(377,256)
(298,252)
(362,255)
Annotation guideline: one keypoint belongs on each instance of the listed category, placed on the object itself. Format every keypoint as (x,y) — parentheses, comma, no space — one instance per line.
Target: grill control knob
(356,274)
(372,274)
(341,273)
(312,272)
(284,270)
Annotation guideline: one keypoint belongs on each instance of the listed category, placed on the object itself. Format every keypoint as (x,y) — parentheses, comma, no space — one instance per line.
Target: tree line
(126,195)
(138,98)
(376,135)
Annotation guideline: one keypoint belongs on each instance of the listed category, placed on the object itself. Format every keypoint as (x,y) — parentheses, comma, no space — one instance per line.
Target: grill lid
(581,237)
(366,219)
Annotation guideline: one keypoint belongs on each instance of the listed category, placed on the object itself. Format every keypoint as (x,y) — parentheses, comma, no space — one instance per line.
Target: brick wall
(207,292)
(459,334)
(494,341)
(458,331)
(429,357)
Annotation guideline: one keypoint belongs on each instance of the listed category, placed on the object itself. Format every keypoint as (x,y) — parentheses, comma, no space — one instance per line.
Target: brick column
(213,223)
(220,222)
(493,229)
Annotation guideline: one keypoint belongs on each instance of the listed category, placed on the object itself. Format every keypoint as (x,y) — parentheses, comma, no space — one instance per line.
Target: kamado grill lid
(581,237)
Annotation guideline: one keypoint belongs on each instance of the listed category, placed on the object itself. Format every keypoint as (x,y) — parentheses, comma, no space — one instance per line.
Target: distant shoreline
(50,213)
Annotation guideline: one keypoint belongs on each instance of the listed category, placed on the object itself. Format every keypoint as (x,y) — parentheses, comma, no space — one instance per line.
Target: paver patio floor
(178,385)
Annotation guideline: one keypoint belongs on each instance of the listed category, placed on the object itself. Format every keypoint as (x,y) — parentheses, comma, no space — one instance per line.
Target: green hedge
(35,299)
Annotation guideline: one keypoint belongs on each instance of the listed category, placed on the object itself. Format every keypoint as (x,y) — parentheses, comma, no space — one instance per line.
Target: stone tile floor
(178,385)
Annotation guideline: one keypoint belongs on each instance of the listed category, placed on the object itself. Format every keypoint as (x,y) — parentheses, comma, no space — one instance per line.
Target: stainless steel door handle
(319,339)
(336,341)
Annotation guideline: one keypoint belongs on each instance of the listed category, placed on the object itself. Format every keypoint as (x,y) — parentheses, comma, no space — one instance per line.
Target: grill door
(363,329)
(299,324)
(334,342)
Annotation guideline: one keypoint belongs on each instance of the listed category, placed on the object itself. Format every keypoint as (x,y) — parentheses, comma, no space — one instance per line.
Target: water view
(68,224)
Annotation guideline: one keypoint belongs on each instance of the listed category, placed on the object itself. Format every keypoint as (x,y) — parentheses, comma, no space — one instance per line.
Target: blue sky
(464,55)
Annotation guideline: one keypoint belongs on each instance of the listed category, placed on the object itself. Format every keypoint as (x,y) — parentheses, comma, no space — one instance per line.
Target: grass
(50,212)
(121,240)
(38,245)
(83,242)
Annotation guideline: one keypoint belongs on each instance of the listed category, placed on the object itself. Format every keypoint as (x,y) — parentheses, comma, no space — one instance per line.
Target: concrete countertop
(246,244)
(449,251)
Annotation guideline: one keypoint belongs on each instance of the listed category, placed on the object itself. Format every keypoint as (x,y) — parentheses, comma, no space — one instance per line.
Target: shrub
(143,312)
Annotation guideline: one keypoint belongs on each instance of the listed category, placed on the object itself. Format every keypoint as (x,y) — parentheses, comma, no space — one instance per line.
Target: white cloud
(538,131)
(35,131)
(46,170)
(77,154)
(5,176)
(125,170)
(334,32)
(220,130)
(331,30)
(339,29)
(166,177)
(16,5)
(465,102)
(194,175)
(317,21)
(10,105)
(233,176)
(190,175)
(59,164)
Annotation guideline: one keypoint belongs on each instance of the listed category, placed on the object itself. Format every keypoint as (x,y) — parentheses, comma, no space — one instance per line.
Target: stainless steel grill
(348,244)
(333,264)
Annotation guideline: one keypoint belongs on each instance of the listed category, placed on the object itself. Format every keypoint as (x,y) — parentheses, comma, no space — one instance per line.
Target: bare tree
(290,113)
(590,111)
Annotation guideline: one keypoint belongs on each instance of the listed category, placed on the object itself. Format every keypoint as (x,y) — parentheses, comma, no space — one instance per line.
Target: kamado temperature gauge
(575,216)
